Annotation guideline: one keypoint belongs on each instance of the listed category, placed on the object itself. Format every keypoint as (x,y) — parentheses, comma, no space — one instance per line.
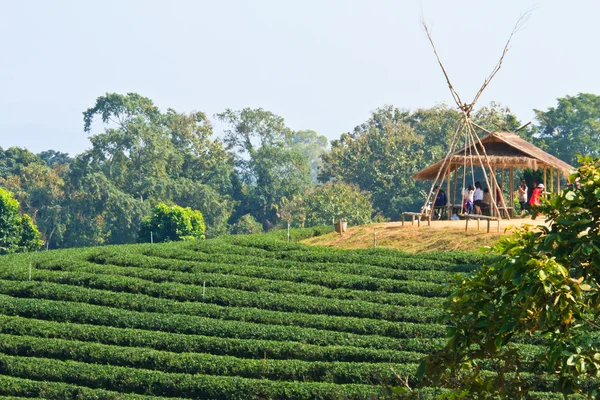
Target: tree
(172,223)
(545,284)
(18,233)
(312,146)
(146,157)
(380,156)
(38,188)
(334,201)
(246,225)
(571,128)
(269,168)
(52,157)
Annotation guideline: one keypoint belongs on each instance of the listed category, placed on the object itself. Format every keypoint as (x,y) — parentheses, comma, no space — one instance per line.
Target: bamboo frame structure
(467,128)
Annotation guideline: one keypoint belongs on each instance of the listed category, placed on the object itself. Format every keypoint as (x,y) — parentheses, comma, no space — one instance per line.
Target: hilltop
(440,236)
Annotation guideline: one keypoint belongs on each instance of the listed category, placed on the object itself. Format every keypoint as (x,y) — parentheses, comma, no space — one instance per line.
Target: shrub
(17,233)
(247,224)
(171,223)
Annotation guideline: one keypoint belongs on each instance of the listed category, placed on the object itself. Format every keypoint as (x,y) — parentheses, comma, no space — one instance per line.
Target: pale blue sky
(322,65)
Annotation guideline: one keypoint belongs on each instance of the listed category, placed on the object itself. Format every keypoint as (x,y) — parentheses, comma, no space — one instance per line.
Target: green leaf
(421,370)
(482,323)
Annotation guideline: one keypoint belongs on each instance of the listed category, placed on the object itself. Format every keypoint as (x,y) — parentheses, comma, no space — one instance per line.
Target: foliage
(379,156)
(382,154)
(334,201)
(572,127)
(312,146)
(269,159)
(17,233)
(545,286)
(247,224)
(38,188)
(171,223)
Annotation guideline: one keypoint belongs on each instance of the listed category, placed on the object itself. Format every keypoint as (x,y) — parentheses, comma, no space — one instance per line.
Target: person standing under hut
(522,196)
(468,199)
(440,201)
(486,203)
(536,196)
(478,197)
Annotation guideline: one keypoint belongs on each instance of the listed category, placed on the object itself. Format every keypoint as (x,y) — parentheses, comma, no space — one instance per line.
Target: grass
(441,236)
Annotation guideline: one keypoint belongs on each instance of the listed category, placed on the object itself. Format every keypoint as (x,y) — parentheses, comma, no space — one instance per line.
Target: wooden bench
(479,217)
(418,216)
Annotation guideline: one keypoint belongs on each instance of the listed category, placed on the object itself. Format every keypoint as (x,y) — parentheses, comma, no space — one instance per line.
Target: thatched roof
(504,149)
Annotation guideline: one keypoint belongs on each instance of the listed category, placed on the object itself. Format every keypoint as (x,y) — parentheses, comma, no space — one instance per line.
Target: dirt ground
(440,236)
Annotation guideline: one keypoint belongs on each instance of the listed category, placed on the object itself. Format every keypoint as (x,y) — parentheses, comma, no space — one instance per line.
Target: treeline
(260,174)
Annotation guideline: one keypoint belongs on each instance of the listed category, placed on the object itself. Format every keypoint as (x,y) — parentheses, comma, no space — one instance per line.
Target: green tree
(545,285)
(18,233)
(146,157)
(246,225)
(312,146)
(572,127)
(52,157)
(38,188)
(380,156)
(334,201)
(172,223)
(269,168)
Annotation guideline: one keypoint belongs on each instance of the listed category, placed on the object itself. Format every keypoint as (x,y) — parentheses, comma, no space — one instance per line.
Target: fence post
(151,238)
(288,232)
(374,239)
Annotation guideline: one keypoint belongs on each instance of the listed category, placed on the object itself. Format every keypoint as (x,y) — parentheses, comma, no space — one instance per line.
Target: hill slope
(440,236)
(235,318)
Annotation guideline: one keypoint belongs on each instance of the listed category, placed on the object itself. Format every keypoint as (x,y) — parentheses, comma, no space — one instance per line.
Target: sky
(321,64)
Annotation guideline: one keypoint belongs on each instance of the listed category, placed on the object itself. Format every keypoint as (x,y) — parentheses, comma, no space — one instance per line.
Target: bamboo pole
(558,174)
(502,185)
(457,135)
(511,183)
(472,133)
(551,179)
(449,207)
(487,160)
(454,194)
(545,184)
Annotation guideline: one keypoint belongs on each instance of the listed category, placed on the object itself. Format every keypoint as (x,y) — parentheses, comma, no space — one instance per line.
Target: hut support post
(551,180)
(449,206)
(454,194)
(511,186)
(502,184)
(545,183)
(558,174)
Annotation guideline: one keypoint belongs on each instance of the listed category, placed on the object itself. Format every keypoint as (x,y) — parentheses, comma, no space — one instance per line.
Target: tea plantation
(242,317)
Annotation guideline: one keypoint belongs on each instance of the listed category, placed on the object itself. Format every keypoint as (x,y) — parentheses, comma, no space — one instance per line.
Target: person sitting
(441,200)
(486,203)
(468,199)
(477,197)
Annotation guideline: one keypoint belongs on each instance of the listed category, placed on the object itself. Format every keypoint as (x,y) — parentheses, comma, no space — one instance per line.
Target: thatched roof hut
(504,150)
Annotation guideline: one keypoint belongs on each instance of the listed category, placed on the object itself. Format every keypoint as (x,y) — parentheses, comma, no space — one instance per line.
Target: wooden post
(448,206)
(558,174)
(545,184)
(454,194)
(511,185)
(502,184)
(494,189)
(551,179)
